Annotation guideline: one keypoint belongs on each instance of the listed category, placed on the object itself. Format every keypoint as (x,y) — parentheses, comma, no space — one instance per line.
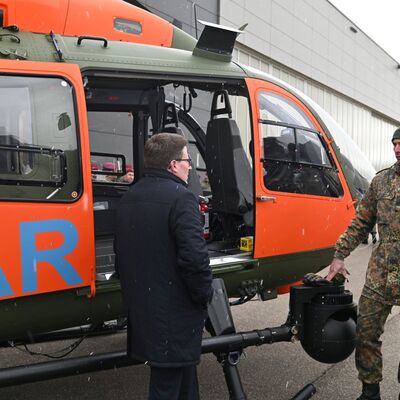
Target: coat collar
(162,173)
(397,167)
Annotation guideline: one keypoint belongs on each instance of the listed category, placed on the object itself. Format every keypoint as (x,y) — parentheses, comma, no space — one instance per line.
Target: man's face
(181,167)
(396,148)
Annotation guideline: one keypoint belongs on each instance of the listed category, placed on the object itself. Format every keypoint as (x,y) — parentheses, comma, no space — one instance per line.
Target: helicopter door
(46,212)
(302,200)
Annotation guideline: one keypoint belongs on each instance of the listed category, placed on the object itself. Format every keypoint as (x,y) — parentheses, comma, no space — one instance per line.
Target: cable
(67,350)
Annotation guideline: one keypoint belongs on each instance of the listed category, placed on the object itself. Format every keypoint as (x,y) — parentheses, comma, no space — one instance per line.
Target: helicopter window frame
(46,191)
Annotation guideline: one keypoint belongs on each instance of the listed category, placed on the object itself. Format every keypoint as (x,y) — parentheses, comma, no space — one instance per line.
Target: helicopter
(83,85)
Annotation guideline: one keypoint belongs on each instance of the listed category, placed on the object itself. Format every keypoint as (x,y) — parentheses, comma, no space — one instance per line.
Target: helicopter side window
(295,159)
(39,157)
(127,26)
(111,156)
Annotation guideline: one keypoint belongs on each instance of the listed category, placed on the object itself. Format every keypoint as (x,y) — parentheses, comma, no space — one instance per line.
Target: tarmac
(275,372)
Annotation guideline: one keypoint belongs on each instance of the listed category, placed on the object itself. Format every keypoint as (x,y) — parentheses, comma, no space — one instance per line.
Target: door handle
(351,204)
(266,198)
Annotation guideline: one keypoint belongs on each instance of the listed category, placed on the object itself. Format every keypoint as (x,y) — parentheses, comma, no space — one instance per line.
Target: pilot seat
(229,171)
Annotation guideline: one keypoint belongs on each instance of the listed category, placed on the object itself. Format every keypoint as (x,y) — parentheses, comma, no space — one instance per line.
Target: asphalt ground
(275,372)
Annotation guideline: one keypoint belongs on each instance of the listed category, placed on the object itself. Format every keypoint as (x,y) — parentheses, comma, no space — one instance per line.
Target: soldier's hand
(337,266)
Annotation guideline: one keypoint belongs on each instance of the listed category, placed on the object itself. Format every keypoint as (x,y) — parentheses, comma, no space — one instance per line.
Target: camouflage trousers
(371,319)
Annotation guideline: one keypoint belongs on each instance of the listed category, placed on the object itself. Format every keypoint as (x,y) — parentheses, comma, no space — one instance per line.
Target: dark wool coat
(163,264)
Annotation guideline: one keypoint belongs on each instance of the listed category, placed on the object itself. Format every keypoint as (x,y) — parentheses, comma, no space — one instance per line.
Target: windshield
(346,144)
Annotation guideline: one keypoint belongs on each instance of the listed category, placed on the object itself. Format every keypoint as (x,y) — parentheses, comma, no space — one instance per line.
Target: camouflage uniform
(381,205)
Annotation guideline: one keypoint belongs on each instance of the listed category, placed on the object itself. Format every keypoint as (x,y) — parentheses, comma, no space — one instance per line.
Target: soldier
(381,205)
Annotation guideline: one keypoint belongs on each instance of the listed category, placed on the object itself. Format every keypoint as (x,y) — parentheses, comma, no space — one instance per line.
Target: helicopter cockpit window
(39,157)
(295,158)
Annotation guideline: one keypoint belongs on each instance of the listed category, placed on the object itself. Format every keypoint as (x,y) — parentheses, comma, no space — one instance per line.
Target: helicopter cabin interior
(124,113)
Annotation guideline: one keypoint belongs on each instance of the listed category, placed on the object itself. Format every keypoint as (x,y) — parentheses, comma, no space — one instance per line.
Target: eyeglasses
(188,160)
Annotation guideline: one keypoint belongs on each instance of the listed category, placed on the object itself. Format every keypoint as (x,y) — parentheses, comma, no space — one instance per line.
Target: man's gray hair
(162,148)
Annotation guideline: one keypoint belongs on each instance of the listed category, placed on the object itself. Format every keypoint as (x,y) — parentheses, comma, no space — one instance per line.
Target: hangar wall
(311,45)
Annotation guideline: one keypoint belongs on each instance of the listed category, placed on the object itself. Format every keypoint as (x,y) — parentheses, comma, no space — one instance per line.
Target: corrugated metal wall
(372,132)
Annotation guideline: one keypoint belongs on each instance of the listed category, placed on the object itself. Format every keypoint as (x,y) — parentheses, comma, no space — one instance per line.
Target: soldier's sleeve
(360,226)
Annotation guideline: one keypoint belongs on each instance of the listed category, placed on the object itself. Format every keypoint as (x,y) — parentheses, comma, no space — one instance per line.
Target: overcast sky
(379,19)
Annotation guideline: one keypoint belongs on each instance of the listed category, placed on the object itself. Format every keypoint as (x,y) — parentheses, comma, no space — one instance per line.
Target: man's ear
(171,166)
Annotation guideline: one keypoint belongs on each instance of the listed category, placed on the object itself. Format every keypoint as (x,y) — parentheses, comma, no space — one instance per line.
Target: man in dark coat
(164,269)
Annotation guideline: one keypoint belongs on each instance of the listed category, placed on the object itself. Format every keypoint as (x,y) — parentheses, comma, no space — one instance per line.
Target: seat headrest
(226,109)
(170,116)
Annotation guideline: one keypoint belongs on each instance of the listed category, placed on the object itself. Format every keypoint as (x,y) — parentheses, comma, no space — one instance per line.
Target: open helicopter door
(47,241)
(302,199)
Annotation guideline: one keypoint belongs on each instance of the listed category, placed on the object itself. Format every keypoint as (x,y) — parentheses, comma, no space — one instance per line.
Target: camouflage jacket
(381,205)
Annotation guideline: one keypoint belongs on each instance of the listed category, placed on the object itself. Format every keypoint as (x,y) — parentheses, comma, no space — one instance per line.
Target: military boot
(370,391)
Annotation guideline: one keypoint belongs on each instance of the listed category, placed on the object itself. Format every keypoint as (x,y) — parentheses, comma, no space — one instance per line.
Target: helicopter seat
(228,167)
(274,149)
